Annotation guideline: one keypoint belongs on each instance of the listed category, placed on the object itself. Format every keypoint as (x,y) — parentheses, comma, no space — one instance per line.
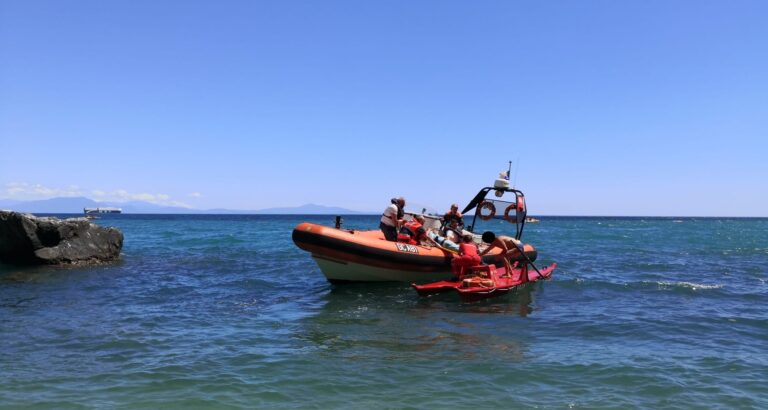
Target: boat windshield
(503,214)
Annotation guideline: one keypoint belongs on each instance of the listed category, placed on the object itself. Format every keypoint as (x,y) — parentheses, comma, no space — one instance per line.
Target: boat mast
(517,165)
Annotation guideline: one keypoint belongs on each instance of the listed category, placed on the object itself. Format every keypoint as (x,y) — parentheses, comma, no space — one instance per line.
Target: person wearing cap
(507,244)
(467,256)
(391,219)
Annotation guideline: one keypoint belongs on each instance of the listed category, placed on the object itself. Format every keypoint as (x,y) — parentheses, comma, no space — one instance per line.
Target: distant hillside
(7,203)
(309,209)
(75,205)
(140,207)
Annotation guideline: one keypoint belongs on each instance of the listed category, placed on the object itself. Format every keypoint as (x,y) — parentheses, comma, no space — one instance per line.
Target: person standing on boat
(507,244)
(391,219)
(467,256)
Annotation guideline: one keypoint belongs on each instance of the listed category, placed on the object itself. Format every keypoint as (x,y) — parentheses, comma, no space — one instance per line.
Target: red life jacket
(413,227)
(409,232)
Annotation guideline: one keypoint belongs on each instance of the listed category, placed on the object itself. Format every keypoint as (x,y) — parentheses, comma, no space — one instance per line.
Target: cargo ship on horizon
(105,210)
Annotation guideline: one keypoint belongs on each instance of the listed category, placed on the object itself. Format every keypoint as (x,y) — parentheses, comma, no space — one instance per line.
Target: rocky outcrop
(26,239)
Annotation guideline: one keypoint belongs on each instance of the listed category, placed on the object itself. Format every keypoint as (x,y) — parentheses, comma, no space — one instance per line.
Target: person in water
(392,218)
(413,232)
(467,256)
(508,245)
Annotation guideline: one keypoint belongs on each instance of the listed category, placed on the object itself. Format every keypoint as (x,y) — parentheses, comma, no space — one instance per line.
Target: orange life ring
(511,207)
(486,205)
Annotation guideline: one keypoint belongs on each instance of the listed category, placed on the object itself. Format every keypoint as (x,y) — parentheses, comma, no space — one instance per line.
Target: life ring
(510,208)
(486,205)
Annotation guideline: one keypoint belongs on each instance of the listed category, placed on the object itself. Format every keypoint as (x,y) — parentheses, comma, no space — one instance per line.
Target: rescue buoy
(510,208)
(520,204)
(486,205)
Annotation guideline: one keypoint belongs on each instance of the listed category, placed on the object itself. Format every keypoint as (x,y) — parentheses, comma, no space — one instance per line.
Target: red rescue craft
(485,281)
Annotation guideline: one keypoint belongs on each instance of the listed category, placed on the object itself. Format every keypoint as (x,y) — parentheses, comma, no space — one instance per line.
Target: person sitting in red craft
(467,256)
(413,232)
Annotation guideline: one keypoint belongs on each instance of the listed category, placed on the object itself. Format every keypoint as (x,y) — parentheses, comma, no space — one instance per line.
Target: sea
(225,312)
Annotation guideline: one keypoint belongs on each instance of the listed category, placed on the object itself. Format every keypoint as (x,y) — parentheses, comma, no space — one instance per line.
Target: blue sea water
(225,312)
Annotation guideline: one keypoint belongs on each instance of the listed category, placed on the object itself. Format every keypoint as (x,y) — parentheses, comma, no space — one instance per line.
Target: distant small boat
(531,220)
(107,210)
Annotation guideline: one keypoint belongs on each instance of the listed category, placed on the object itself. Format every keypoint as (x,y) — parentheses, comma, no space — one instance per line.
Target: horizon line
(377,214)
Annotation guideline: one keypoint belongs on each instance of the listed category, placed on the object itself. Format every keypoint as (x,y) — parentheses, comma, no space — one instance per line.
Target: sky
(652,108)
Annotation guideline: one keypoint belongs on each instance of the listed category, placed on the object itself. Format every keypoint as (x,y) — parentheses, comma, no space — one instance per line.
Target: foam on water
(688,285)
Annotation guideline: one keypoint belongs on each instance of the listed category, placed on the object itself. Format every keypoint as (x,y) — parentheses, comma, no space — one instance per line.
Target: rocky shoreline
(29,240)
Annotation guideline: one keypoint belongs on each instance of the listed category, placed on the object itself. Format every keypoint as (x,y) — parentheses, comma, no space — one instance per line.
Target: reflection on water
(14,273)
(51,273)
(366,321)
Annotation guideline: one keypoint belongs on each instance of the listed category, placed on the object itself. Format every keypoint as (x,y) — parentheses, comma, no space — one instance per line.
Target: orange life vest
(468,249)
(410,232)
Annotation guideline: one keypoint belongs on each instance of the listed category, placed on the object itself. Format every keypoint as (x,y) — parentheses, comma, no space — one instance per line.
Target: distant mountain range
(75,205)
(308,209)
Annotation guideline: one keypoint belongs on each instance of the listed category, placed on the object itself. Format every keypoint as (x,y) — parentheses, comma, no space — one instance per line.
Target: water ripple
(225,312)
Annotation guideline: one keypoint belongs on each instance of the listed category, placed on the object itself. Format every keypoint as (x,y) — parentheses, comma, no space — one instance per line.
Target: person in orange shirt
(467,256)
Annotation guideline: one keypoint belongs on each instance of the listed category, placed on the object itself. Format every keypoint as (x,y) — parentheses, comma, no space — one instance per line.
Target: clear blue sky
(610,107)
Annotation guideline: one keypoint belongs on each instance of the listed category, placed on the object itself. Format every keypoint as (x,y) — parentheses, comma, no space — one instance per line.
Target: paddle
(527,259)
(447,249)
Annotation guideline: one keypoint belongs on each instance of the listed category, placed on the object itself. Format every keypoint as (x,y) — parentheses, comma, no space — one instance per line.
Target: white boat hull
(344,271)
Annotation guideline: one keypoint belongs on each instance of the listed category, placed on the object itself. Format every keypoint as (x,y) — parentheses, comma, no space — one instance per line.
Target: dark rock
(26,239)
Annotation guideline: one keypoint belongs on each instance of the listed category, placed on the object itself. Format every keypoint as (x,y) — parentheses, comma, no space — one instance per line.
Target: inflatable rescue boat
(345,255)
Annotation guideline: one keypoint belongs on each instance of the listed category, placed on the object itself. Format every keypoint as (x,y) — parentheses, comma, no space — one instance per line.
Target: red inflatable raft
(487,281)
